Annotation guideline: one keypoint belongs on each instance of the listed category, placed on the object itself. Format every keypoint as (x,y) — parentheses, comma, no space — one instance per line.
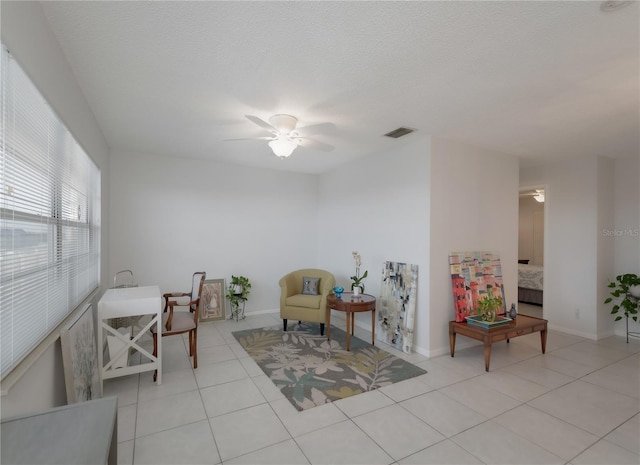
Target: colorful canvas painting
(396,307)
(474,275)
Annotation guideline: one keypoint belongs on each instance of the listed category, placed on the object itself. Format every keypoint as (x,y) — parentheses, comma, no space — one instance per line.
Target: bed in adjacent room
(530,284)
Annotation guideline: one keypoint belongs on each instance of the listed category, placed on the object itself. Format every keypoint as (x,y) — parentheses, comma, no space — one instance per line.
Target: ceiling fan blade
(312,129)
(252,138)
(531,192)
(314,144)
(260,122)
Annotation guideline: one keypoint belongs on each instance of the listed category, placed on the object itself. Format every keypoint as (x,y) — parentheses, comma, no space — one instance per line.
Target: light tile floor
(577,404)
(530,310)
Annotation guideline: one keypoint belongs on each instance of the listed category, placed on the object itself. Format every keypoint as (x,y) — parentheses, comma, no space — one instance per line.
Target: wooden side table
(351,304)
(519,327)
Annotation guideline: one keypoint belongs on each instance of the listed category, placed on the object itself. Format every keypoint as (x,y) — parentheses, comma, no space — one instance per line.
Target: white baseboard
(263,312)
(572,331)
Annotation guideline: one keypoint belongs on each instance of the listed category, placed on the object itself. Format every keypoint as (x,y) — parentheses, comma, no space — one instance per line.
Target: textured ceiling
(541,80)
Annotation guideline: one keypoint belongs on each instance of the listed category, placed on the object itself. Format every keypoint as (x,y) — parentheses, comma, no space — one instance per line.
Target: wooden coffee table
(520,326)
(351,304)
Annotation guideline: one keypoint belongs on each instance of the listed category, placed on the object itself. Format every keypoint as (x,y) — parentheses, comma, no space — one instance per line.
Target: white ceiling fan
(286,137)
(537,194)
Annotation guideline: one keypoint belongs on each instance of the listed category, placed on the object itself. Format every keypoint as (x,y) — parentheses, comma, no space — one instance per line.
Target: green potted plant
(627,288)
(488,308)
(237,293)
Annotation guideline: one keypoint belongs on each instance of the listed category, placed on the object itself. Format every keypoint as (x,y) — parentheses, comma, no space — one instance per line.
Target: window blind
(49,218)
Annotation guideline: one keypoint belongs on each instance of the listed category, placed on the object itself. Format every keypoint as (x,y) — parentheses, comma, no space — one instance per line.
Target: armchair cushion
(310,285)
(181,322)
(305,301)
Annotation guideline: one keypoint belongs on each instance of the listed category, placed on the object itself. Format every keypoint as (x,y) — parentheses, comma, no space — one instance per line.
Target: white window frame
(49,219)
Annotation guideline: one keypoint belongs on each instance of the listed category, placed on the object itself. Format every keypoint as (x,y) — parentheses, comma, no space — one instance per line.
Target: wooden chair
(181,322)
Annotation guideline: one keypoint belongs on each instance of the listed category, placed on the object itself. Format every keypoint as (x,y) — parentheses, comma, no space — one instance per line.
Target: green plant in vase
(488,308)
(237,293)
(357,278)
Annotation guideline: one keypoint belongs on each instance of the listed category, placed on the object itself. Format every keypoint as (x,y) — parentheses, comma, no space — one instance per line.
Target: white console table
(81,433)
(127,302)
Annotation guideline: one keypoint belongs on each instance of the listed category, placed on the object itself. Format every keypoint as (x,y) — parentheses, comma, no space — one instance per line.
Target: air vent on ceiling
(399,132)
(612,5)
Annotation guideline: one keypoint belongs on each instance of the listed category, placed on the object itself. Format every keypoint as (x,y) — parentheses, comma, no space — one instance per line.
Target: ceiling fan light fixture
(283,123)
(285,137)
(282,147)
(539,197)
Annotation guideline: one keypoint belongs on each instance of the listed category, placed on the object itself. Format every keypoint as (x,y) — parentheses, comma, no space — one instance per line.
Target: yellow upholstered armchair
(304,294)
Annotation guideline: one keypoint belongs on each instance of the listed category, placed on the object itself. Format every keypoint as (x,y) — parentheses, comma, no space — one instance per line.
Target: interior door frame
(544,237)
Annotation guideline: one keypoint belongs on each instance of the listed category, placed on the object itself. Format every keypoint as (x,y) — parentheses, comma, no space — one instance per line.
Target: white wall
(626,228)
(606,247)
(593,234)
(571,243)
(380,208)
(171,217)
(27,35)
(627,215)
(474,207)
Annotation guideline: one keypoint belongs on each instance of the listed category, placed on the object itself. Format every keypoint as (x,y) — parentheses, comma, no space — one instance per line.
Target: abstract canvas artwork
(474,275)
(396,307)
(80,358)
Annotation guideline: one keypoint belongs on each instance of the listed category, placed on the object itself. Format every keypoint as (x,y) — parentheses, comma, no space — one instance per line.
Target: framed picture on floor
(80,358)
(212,302)
(396,307)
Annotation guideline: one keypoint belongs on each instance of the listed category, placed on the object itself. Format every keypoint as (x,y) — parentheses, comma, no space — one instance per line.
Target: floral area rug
(310,370)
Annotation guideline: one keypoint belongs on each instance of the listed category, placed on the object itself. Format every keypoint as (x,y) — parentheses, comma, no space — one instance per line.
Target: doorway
(531,242)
